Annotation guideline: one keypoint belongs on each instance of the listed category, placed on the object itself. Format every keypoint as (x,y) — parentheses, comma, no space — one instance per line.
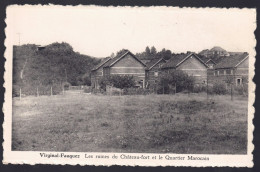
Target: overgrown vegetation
(117,81)
(175,81)
(50,67)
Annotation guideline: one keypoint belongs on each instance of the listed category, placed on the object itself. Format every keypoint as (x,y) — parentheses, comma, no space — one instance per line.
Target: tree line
(52,66)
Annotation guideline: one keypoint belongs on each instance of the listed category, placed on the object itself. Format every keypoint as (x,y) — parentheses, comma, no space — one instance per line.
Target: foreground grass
(152,124)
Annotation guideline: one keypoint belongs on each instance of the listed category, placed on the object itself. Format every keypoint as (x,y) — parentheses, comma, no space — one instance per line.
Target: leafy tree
(147,51)
(166,54)
(219,88)
(179,79)
(153,50)
(50,67)
(86,79)
(112,55)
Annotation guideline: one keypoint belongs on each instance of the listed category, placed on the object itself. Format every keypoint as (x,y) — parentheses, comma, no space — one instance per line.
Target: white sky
(99,31)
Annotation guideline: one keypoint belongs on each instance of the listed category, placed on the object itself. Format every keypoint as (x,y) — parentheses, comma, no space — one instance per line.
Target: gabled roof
(154,62)
(205,59)
(120,56)
(102,63)
(178,59)
(209,61)
(231,61)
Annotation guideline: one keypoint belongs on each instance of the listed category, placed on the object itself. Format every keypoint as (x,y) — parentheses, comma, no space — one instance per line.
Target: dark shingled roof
(119,56)
(103,62)
(178,58)
(153,62)
(231,61)
(205,59)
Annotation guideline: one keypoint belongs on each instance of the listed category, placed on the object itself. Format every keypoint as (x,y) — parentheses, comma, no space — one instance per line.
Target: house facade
(189,63)
(97,73)
(232,69)
(215,51)
(153,72)
(125,63)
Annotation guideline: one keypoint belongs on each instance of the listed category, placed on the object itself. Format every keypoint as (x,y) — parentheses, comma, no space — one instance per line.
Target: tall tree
(147,51)
(112,55)
(153,50)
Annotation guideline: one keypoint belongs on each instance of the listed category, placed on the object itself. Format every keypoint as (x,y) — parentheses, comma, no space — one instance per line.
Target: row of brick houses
(146,75)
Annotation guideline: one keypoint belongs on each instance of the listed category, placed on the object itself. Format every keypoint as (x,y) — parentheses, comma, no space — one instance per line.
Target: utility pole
(20,94)
(231,91)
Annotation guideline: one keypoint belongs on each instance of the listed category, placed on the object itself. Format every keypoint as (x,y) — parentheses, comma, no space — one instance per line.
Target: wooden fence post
(37,92)
(175,88)
(20,93)
(231,92)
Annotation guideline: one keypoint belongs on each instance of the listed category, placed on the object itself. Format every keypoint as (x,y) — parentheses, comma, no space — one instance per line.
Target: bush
(219,88)
(66,85)
(87,90)
(117,81)
(241,90)
(199,88)
(177,78)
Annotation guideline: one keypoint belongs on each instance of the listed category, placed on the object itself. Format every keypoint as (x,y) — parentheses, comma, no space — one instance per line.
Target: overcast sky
(99,31)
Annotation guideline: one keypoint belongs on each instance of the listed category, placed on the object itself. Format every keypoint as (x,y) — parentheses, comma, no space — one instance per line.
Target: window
(156,74)
(239,81)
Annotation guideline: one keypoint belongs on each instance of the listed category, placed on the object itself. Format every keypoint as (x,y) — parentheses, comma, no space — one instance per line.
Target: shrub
(66,85)
(179,79)
(117,81)
(219,88)
(241,90)
(199,88)
(87,89)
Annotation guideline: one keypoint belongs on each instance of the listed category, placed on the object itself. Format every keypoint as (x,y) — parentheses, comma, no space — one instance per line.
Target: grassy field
(153,124)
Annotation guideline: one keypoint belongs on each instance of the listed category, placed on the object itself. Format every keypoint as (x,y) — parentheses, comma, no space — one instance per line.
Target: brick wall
(153,75)
(193,67)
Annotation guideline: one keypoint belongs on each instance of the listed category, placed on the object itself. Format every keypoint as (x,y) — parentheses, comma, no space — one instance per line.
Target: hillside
(52,66)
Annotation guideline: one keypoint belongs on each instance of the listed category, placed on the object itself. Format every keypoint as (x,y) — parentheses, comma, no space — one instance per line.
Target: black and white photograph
(140,85)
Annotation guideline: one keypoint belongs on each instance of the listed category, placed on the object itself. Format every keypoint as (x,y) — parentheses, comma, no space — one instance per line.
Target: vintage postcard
(146,86)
